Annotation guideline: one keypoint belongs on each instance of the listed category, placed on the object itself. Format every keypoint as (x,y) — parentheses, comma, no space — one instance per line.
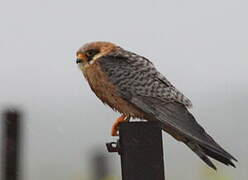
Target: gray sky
(201,46)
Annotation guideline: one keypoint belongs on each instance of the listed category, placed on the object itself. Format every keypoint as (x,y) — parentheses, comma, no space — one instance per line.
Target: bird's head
(91,52)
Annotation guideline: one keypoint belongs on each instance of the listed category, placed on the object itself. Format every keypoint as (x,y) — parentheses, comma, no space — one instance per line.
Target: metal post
(141,150)
(11,145)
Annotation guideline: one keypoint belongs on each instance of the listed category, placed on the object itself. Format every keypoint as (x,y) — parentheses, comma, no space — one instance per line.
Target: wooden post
(141,151)
(11,145)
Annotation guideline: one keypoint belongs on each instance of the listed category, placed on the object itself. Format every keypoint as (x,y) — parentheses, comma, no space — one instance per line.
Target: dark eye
(91,53)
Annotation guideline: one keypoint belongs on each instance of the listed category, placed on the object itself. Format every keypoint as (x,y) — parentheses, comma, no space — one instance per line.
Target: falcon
(130,84)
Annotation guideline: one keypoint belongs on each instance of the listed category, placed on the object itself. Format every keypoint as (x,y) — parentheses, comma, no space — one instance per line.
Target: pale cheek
(83,67)
(80,66)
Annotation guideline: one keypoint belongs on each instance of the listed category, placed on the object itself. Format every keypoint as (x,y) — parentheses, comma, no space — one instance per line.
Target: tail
(203,152)
(196,138)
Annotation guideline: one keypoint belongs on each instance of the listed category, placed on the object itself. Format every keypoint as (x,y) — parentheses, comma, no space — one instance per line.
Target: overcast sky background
(201,46)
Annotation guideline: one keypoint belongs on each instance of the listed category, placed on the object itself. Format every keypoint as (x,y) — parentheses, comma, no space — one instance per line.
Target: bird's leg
(115,126)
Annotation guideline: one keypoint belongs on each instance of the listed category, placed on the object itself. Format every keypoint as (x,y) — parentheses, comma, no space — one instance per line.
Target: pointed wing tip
(233,158)
(213,167)
(232,164)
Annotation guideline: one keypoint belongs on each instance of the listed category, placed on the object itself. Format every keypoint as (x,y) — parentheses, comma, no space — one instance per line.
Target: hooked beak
(78,61)
(80,58)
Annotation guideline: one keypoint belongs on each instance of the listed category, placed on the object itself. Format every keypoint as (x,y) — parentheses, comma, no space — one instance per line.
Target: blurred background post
(11,144)
(100,166)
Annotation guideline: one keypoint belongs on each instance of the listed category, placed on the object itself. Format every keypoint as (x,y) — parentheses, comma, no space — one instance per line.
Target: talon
(115,126)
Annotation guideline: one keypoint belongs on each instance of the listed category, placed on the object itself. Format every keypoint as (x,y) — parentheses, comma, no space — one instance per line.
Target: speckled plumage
(137,75)
(130,84)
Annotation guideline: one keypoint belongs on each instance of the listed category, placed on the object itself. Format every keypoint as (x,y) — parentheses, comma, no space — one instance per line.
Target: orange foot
(117,122)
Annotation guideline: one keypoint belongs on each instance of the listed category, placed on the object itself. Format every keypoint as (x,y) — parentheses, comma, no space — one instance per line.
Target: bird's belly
(108,93)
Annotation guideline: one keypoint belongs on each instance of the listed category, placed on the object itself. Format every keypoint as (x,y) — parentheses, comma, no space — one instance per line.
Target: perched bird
(131,85)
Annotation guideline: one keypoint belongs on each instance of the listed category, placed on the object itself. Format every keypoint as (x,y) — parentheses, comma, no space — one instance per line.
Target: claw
(115,126)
